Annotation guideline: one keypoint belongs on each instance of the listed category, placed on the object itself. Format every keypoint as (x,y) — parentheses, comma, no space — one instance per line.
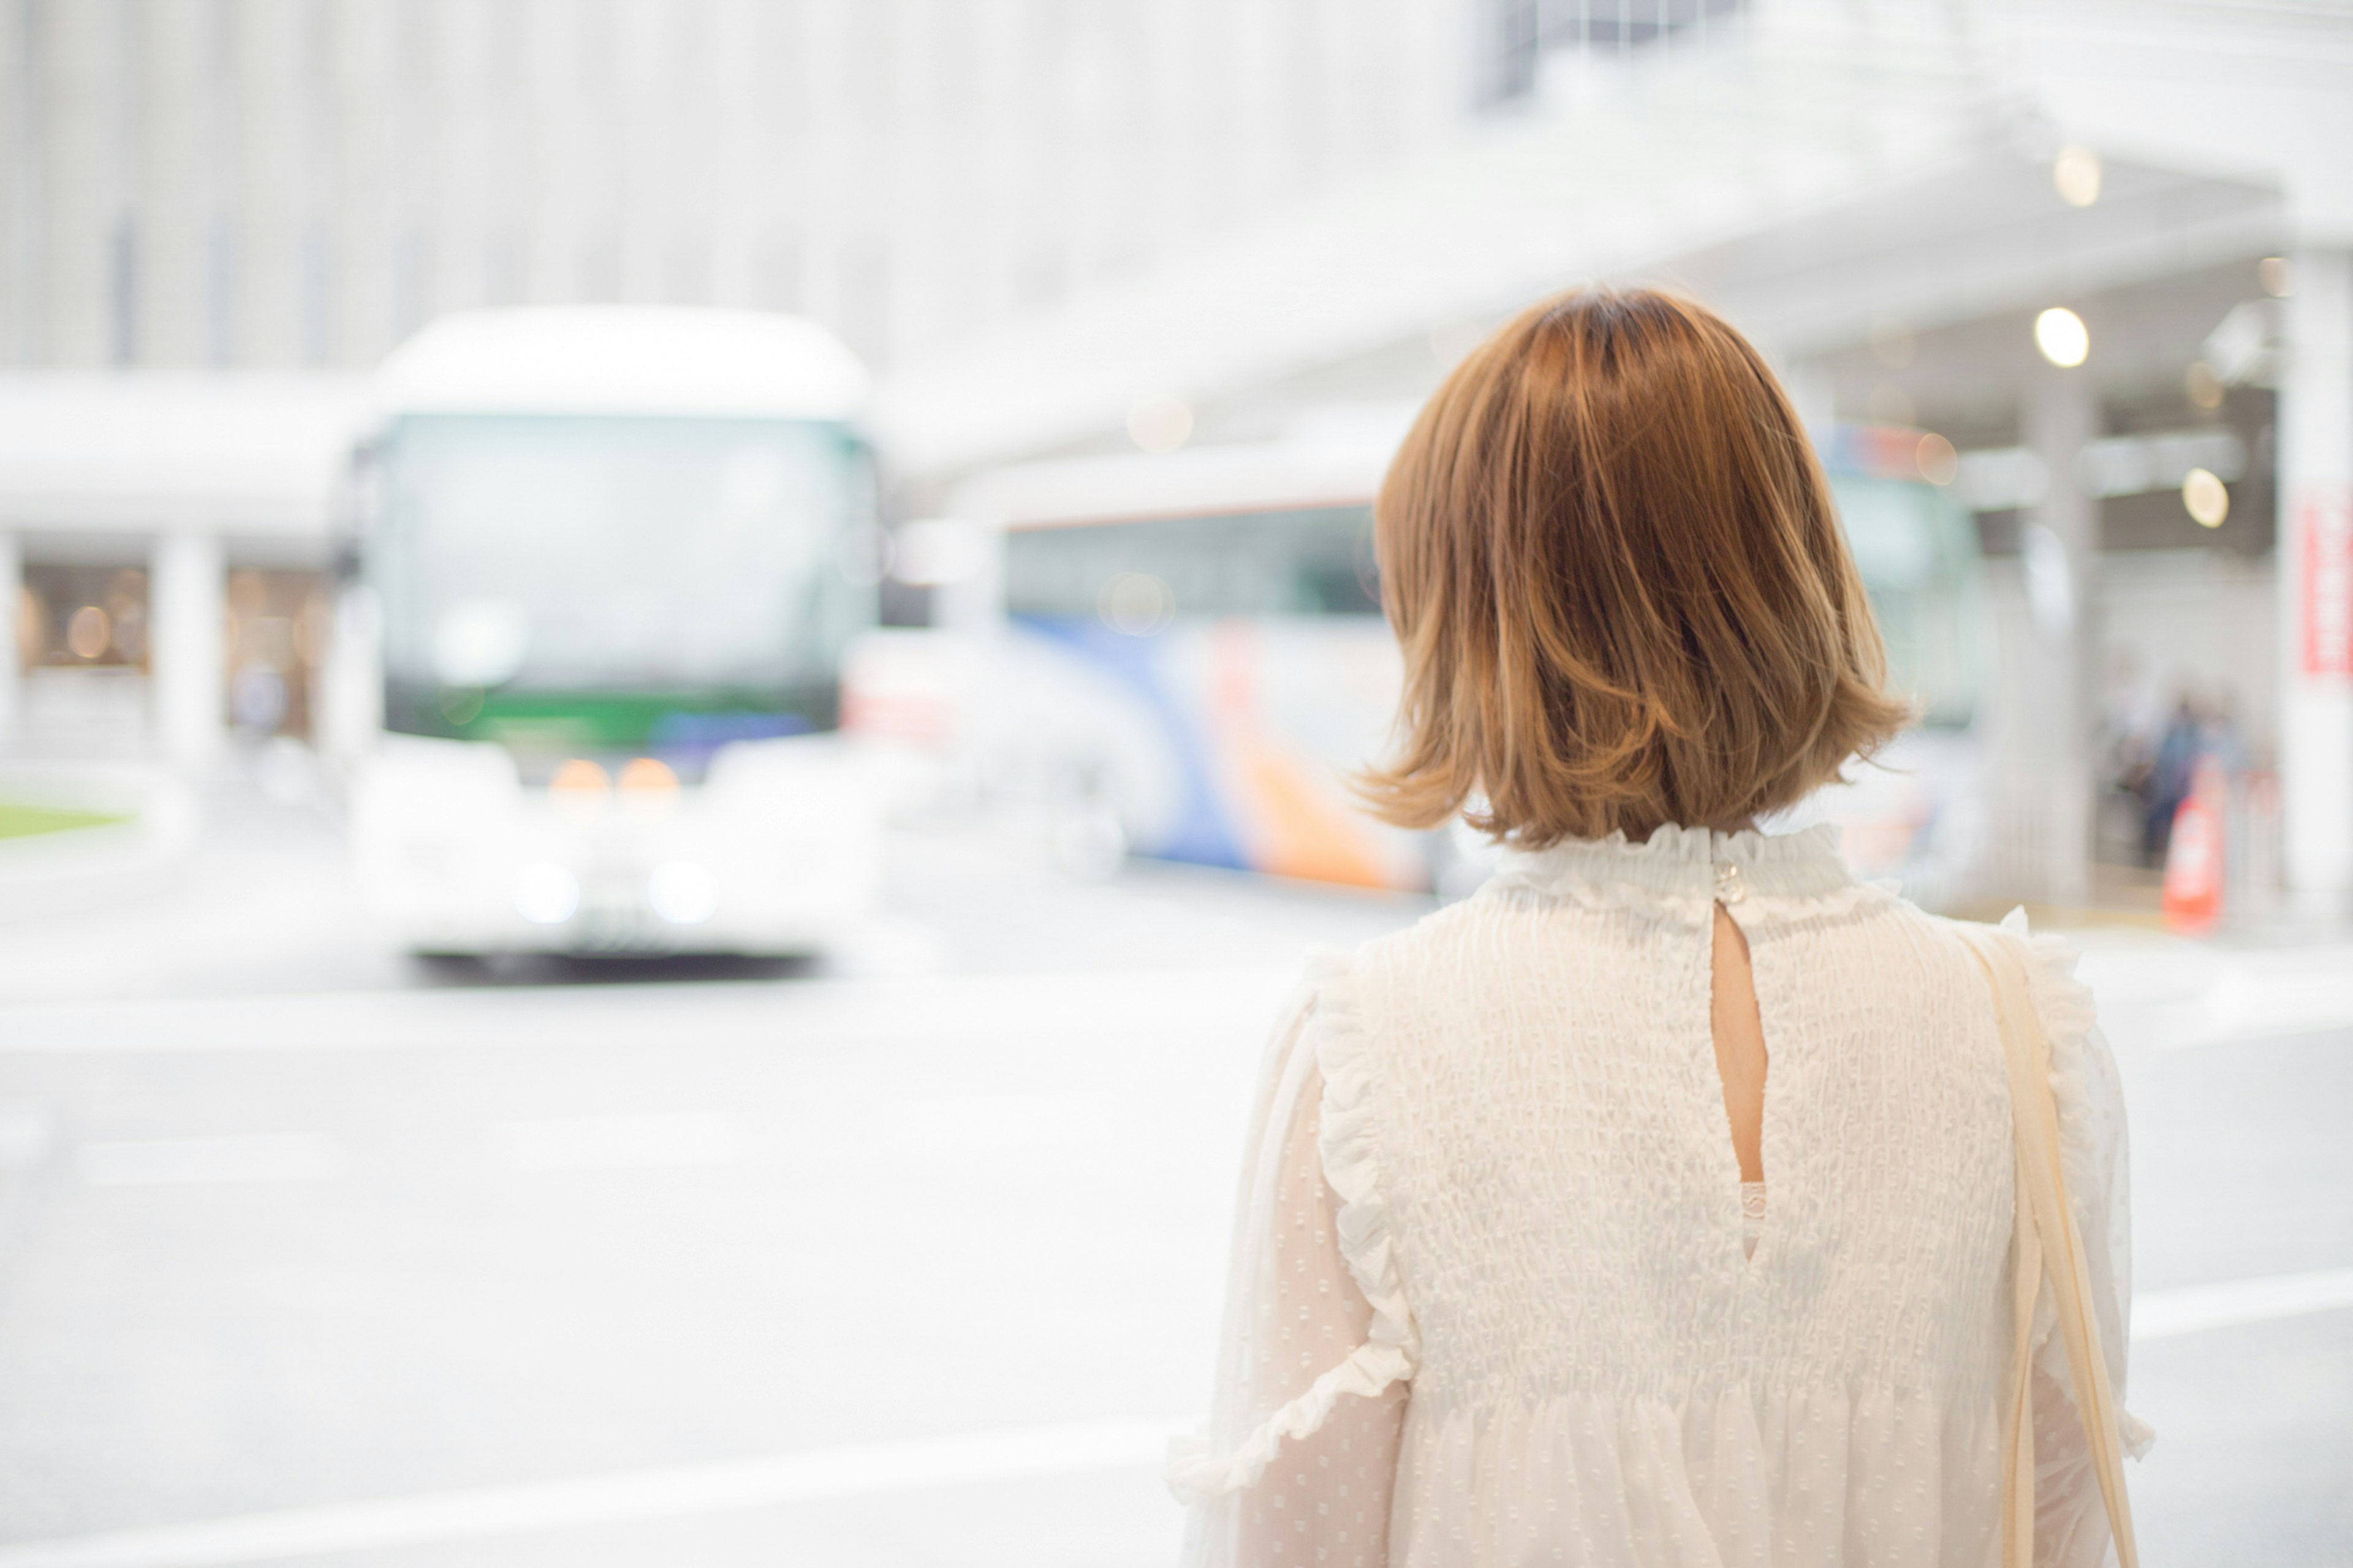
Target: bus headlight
(684,892)
(545,894)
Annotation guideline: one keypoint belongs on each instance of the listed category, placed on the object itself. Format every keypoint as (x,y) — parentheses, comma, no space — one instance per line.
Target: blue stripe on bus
(1203,834)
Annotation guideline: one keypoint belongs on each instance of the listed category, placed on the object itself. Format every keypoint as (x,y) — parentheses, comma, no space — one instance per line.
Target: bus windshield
(606,576)
(1302,561)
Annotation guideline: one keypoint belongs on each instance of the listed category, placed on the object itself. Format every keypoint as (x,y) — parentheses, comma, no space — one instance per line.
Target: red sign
(2327,585)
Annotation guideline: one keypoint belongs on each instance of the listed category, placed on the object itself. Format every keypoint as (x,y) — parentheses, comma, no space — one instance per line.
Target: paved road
(308,1255)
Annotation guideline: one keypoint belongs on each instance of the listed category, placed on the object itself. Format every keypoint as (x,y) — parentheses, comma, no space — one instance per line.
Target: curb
(76,869)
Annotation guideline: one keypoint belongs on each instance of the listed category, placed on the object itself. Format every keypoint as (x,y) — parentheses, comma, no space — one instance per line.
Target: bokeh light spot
(684,892)
(2062,336)
(1938,462)
(545,894)
(2205,497)
(1137,604)
(2076,174)
(88,632)
(1160,424)
(2204,387)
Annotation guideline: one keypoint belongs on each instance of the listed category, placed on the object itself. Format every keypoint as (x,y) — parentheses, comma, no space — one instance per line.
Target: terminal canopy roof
(1807,168)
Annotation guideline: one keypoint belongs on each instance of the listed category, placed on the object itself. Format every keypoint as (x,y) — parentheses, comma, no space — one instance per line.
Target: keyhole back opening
(1738,1030)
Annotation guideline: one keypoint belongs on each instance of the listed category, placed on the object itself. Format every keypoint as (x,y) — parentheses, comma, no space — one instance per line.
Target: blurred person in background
(2200,729)
(2170,770)
(1507,1285)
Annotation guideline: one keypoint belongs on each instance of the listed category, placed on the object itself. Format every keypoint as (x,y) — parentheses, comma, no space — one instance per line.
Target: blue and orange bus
(1191,645)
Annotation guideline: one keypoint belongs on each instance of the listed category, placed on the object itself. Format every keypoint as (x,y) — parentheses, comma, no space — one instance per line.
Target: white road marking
(2193,1309)
(627,1143)
(803,1014)
(919,1464)
(2175,996)
(26,1133)
(200,1161)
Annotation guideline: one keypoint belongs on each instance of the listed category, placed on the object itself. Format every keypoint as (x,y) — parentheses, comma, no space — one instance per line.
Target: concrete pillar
(2061,558)
(186,600)
(12,604)
(2315,585)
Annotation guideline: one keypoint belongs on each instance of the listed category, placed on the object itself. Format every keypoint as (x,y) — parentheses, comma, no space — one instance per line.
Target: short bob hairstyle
(1624,599)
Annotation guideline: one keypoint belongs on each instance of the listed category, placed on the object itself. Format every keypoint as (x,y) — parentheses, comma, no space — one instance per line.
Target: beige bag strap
(2049,1246)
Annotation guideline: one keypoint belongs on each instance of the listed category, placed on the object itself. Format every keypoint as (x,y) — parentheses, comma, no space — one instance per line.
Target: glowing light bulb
(2205,497)
(1160,424)
(2062,336)
(2075,172)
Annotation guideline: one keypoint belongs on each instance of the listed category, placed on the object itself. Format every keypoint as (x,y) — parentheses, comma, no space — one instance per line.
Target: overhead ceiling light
(2075,172)
(2062,336)
(1160,424)
(2205,498)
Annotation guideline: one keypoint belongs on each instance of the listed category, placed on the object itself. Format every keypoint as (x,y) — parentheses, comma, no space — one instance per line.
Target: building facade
(301,184)
(216,216)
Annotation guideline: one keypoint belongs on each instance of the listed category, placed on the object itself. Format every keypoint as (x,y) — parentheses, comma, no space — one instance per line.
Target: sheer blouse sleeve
(1299,1461)
(2070,1524)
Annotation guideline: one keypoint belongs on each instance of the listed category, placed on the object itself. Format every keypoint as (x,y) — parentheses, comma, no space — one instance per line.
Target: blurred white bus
(1190,646)
(611,558)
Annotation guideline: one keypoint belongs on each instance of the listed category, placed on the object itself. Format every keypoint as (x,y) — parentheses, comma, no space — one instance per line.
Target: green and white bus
(611,557)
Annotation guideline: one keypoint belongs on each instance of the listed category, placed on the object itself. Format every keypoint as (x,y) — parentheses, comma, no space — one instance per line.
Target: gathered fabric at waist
(1735,1476)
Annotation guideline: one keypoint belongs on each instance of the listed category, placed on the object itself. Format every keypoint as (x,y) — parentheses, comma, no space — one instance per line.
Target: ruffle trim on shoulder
(1349,1143)
(2064,1007)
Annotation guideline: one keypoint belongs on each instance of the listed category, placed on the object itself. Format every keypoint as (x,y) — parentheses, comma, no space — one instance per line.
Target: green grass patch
(24,821)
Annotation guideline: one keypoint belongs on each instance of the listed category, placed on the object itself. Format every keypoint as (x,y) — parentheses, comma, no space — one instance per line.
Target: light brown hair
(1610,556)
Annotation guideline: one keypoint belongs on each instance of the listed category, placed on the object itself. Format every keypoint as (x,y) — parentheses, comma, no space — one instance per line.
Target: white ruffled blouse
(1497,1295)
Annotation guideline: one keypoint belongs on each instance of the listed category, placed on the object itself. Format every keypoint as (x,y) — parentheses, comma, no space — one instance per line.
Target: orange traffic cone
(2193,856)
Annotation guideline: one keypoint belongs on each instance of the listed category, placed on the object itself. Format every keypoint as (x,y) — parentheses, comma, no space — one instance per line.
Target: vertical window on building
(220,254)
(123,258)
(864,292)
(316,306)
(24,190)
(221,291)
(504,266)
(122,290)
(600,268)
(777,271)
(688,275)
(412,261)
